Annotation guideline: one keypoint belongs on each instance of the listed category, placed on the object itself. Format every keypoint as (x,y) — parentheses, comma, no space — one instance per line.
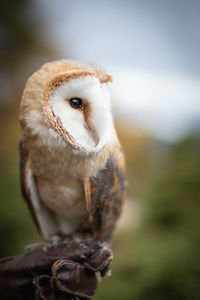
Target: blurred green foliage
(16,226)
(22,39)
(17,35)
(20,43)
(23,48)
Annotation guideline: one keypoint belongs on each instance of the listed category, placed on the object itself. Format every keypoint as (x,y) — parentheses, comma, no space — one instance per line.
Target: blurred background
(152,49)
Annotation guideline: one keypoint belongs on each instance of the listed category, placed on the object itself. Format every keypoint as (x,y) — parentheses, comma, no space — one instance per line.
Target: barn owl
(72,164)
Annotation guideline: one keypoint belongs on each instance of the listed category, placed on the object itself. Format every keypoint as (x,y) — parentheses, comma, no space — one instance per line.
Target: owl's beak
(93,134)
(95,137)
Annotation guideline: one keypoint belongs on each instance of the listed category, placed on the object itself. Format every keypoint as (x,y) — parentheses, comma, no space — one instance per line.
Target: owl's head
(75,101)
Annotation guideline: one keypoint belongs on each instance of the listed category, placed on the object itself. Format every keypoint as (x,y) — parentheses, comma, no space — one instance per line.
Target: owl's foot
(54,240)
(35,246)
(59,238)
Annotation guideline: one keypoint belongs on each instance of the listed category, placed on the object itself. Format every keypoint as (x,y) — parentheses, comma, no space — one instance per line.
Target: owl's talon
(35,246)
(54,240)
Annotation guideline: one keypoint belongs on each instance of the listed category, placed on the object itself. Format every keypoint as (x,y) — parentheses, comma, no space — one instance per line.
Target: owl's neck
(53,163)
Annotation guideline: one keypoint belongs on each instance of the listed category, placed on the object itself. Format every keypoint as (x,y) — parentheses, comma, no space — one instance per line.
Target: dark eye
(76,102)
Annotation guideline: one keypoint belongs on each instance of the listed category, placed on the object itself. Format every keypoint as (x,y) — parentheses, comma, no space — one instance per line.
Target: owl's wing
(105,194)
(42,216)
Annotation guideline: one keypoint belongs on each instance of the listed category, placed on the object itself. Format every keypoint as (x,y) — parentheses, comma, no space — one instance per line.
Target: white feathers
(73,121)
(45,219)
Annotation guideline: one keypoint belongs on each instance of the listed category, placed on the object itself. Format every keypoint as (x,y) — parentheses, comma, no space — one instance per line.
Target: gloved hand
(65,271)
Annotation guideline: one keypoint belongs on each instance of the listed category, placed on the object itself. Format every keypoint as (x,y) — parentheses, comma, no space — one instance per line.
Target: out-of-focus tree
(139,150)
(22,45)
(18,37)
(23,49)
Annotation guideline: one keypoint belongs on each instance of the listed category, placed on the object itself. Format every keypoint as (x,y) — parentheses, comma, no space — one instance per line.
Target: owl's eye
(76,102)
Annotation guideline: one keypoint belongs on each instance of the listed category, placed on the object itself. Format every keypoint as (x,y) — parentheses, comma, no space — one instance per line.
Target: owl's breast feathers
(104,195)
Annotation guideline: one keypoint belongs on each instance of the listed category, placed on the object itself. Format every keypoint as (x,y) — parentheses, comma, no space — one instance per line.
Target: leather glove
(65,271)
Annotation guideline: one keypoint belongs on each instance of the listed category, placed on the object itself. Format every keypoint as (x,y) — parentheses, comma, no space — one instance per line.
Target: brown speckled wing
(105,194)
(43,218)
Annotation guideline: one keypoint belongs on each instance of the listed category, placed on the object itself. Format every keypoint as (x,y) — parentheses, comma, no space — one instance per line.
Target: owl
(71,161)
